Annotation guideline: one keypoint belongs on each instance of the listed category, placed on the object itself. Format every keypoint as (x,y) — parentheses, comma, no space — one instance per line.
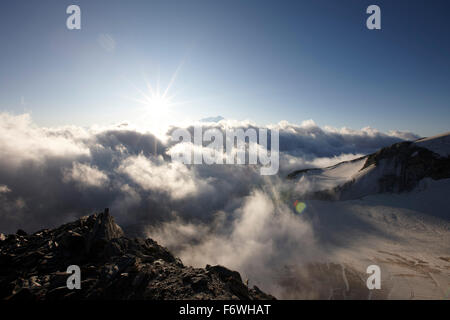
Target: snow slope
(394,211)
(397,168)
(328,178)
(407,235)
(438,144)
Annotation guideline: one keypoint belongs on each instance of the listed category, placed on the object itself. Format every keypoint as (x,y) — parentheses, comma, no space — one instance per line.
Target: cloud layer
(227,214)
(51,175)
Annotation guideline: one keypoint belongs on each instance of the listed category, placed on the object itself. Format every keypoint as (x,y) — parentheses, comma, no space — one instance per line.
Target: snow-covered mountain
(393,211)
(398,168)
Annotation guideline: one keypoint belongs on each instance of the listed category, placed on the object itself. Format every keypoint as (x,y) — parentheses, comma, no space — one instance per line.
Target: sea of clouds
(215,214)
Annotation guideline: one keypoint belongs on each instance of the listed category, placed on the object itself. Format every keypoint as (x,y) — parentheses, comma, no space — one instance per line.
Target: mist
(205,214)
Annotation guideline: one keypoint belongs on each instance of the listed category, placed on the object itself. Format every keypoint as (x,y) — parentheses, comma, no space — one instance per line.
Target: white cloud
(171,177)
(21,140)
(227,214)
(116,166)
(85,175)
(263,236)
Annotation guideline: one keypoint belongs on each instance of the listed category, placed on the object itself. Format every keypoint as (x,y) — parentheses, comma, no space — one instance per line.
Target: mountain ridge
(394,169)
(33,267)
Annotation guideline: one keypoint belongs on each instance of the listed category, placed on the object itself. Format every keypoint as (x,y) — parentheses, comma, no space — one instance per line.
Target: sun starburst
(157,112)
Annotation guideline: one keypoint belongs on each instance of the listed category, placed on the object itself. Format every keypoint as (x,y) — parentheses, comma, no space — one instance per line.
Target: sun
(157,105)
(156,111)
(155,101)
(158,102)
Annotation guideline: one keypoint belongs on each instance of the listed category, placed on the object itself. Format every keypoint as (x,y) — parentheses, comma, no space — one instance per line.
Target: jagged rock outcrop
(33,267)
(394,169)
(409,164)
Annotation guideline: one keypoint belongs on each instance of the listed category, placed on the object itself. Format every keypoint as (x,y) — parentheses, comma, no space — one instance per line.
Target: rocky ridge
(394,169)
(33,267)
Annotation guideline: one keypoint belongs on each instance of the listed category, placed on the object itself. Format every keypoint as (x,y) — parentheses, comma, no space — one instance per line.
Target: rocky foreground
(33,267)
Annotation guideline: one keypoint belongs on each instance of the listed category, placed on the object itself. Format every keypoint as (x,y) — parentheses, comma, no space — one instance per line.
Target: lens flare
(447,294)
(299,206)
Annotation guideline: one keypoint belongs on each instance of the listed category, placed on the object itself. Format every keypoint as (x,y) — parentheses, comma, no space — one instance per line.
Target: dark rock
(224,273)
(103,230)
(33,267)
(22,233)
(72,242)
(199,283)
(57,293)
(23,294)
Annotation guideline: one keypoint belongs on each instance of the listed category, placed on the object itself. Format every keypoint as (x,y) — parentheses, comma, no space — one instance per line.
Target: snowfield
(325,179)
(406,233)
(439,144)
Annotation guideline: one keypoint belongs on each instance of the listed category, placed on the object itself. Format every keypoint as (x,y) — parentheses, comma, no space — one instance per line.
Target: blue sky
(263,61)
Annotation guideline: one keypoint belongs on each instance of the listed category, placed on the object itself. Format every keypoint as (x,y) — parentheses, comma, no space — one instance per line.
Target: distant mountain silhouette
(212,119)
